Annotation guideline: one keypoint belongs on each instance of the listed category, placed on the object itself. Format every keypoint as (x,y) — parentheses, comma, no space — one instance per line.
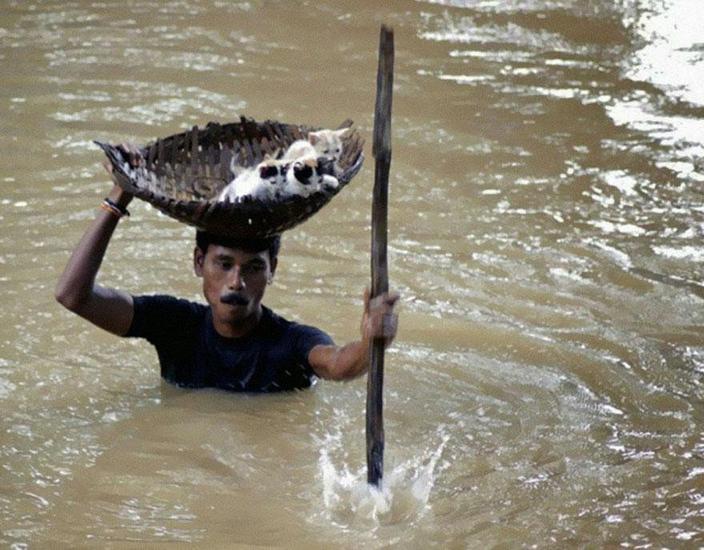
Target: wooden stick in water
(381,149)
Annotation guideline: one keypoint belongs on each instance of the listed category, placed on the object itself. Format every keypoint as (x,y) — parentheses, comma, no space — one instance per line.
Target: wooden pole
(381,149)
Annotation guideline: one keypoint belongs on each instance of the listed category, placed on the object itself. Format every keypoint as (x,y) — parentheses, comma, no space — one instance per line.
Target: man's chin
(235,312)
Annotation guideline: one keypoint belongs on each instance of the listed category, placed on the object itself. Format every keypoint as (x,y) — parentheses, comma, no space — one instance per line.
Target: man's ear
(198,260)
(272,268)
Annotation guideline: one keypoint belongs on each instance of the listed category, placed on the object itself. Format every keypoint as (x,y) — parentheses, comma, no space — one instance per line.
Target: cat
(265,181)
(323,143)
(236,168)
(274,179)
(307,176)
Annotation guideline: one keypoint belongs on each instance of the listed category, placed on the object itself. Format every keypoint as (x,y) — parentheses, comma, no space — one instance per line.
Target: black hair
(270,244)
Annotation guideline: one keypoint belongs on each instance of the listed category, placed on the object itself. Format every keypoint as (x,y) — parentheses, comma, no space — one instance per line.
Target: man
(234,343)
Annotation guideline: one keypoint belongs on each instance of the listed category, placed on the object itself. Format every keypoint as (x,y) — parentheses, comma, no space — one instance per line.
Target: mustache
(233,298)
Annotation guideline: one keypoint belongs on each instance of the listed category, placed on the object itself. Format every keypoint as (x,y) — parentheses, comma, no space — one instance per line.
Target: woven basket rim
(193,163)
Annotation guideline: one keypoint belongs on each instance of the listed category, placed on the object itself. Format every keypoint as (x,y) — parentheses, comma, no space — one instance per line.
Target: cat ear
(276,154)
(342,132)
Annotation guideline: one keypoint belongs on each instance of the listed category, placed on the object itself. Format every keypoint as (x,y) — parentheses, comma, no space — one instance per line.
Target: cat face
(272,172)
(308,176)
(328,143)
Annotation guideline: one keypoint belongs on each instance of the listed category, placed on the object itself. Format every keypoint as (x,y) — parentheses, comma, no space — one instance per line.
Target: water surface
(546,226)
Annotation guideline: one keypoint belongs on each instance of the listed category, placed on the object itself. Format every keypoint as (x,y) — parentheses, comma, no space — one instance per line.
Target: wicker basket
(184,174)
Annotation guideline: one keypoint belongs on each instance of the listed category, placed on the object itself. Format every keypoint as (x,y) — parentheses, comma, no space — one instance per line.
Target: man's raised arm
(76,290)
(343,363)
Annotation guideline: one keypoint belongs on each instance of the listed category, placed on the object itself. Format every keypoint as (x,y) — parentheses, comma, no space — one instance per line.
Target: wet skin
(234,282)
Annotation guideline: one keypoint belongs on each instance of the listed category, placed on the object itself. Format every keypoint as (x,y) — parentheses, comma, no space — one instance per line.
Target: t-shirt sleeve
(161,317)
(307,338)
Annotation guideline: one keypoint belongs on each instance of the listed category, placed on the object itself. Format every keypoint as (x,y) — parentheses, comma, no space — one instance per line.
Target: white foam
(670,57)
(692,253)
(402,497)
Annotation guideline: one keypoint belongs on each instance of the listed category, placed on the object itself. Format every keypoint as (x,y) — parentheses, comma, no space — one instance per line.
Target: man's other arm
(107,308)
(345,362)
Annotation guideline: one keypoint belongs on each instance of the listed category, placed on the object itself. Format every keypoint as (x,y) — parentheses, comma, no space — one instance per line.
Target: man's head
(235,273)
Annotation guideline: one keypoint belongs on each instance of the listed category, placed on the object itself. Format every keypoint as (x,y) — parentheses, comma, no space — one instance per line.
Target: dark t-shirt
(273,357)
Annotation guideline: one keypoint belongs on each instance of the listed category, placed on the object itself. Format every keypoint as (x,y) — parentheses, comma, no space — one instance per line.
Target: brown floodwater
(546,220)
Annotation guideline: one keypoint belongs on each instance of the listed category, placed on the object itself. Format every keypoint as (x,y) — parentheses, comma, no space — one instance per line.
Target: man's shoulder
(276,324)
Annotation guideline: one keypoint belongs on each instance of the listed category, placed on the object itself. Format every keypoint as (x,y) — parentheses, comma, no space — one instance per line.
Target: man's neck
(240,328)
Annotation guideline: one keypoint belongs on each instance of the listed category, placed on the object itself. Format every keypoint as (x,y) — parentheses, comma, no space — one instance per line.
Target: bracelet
(111,210)
(114,208)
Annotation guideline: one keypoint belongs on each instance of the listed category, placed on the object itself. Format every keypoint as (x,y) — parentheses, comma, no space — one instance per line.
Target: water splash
(350,502)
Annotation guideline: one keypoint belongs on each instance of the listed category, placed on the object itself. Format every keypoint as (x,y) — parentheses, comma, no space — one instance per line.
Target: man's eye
(252,269)
(226,265)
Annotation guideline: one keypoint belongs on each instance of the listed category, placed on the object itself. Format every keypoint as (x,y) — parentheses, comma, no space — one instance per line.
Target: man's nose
(235,282)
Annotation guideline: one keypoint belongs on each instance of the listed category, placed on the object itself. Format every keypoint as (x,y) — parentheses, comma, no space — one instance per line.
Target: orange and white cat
(308,175)
(322,143)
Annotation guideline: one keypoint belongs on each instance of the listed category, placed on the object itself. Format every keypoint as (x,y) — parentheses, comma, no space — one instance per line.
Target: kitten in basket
(308,175)
(323,143)
(307,166)
(264,181)
(274,179)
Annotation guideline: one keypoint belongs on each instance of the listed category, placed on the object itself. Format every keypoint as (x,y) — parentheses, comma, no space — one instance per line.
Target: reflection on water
(546,229)
(668,55)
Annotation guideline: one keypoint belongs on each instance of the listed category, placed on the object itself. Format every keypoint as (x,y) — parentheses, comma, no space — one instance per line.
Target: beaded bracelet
(111,206)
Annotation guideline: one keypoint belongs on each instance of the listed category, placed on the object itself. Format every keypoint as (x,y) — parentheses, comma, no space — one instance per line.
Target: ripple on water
(6,388)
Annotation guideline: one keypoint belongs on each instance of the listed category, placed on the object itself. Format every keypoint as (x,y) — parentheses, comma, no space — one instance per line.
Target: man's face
(234,281)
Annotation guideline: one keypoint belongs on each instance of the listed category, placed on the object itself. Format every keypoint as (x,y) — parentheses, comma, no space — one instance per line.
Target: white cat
(265,181)
(236,168)
(306,176)
(323,143)
(275,179)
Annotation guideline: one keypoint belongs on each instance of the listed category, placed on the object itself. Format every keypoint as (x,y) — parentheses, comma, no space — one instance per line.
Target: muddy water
(546,234)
